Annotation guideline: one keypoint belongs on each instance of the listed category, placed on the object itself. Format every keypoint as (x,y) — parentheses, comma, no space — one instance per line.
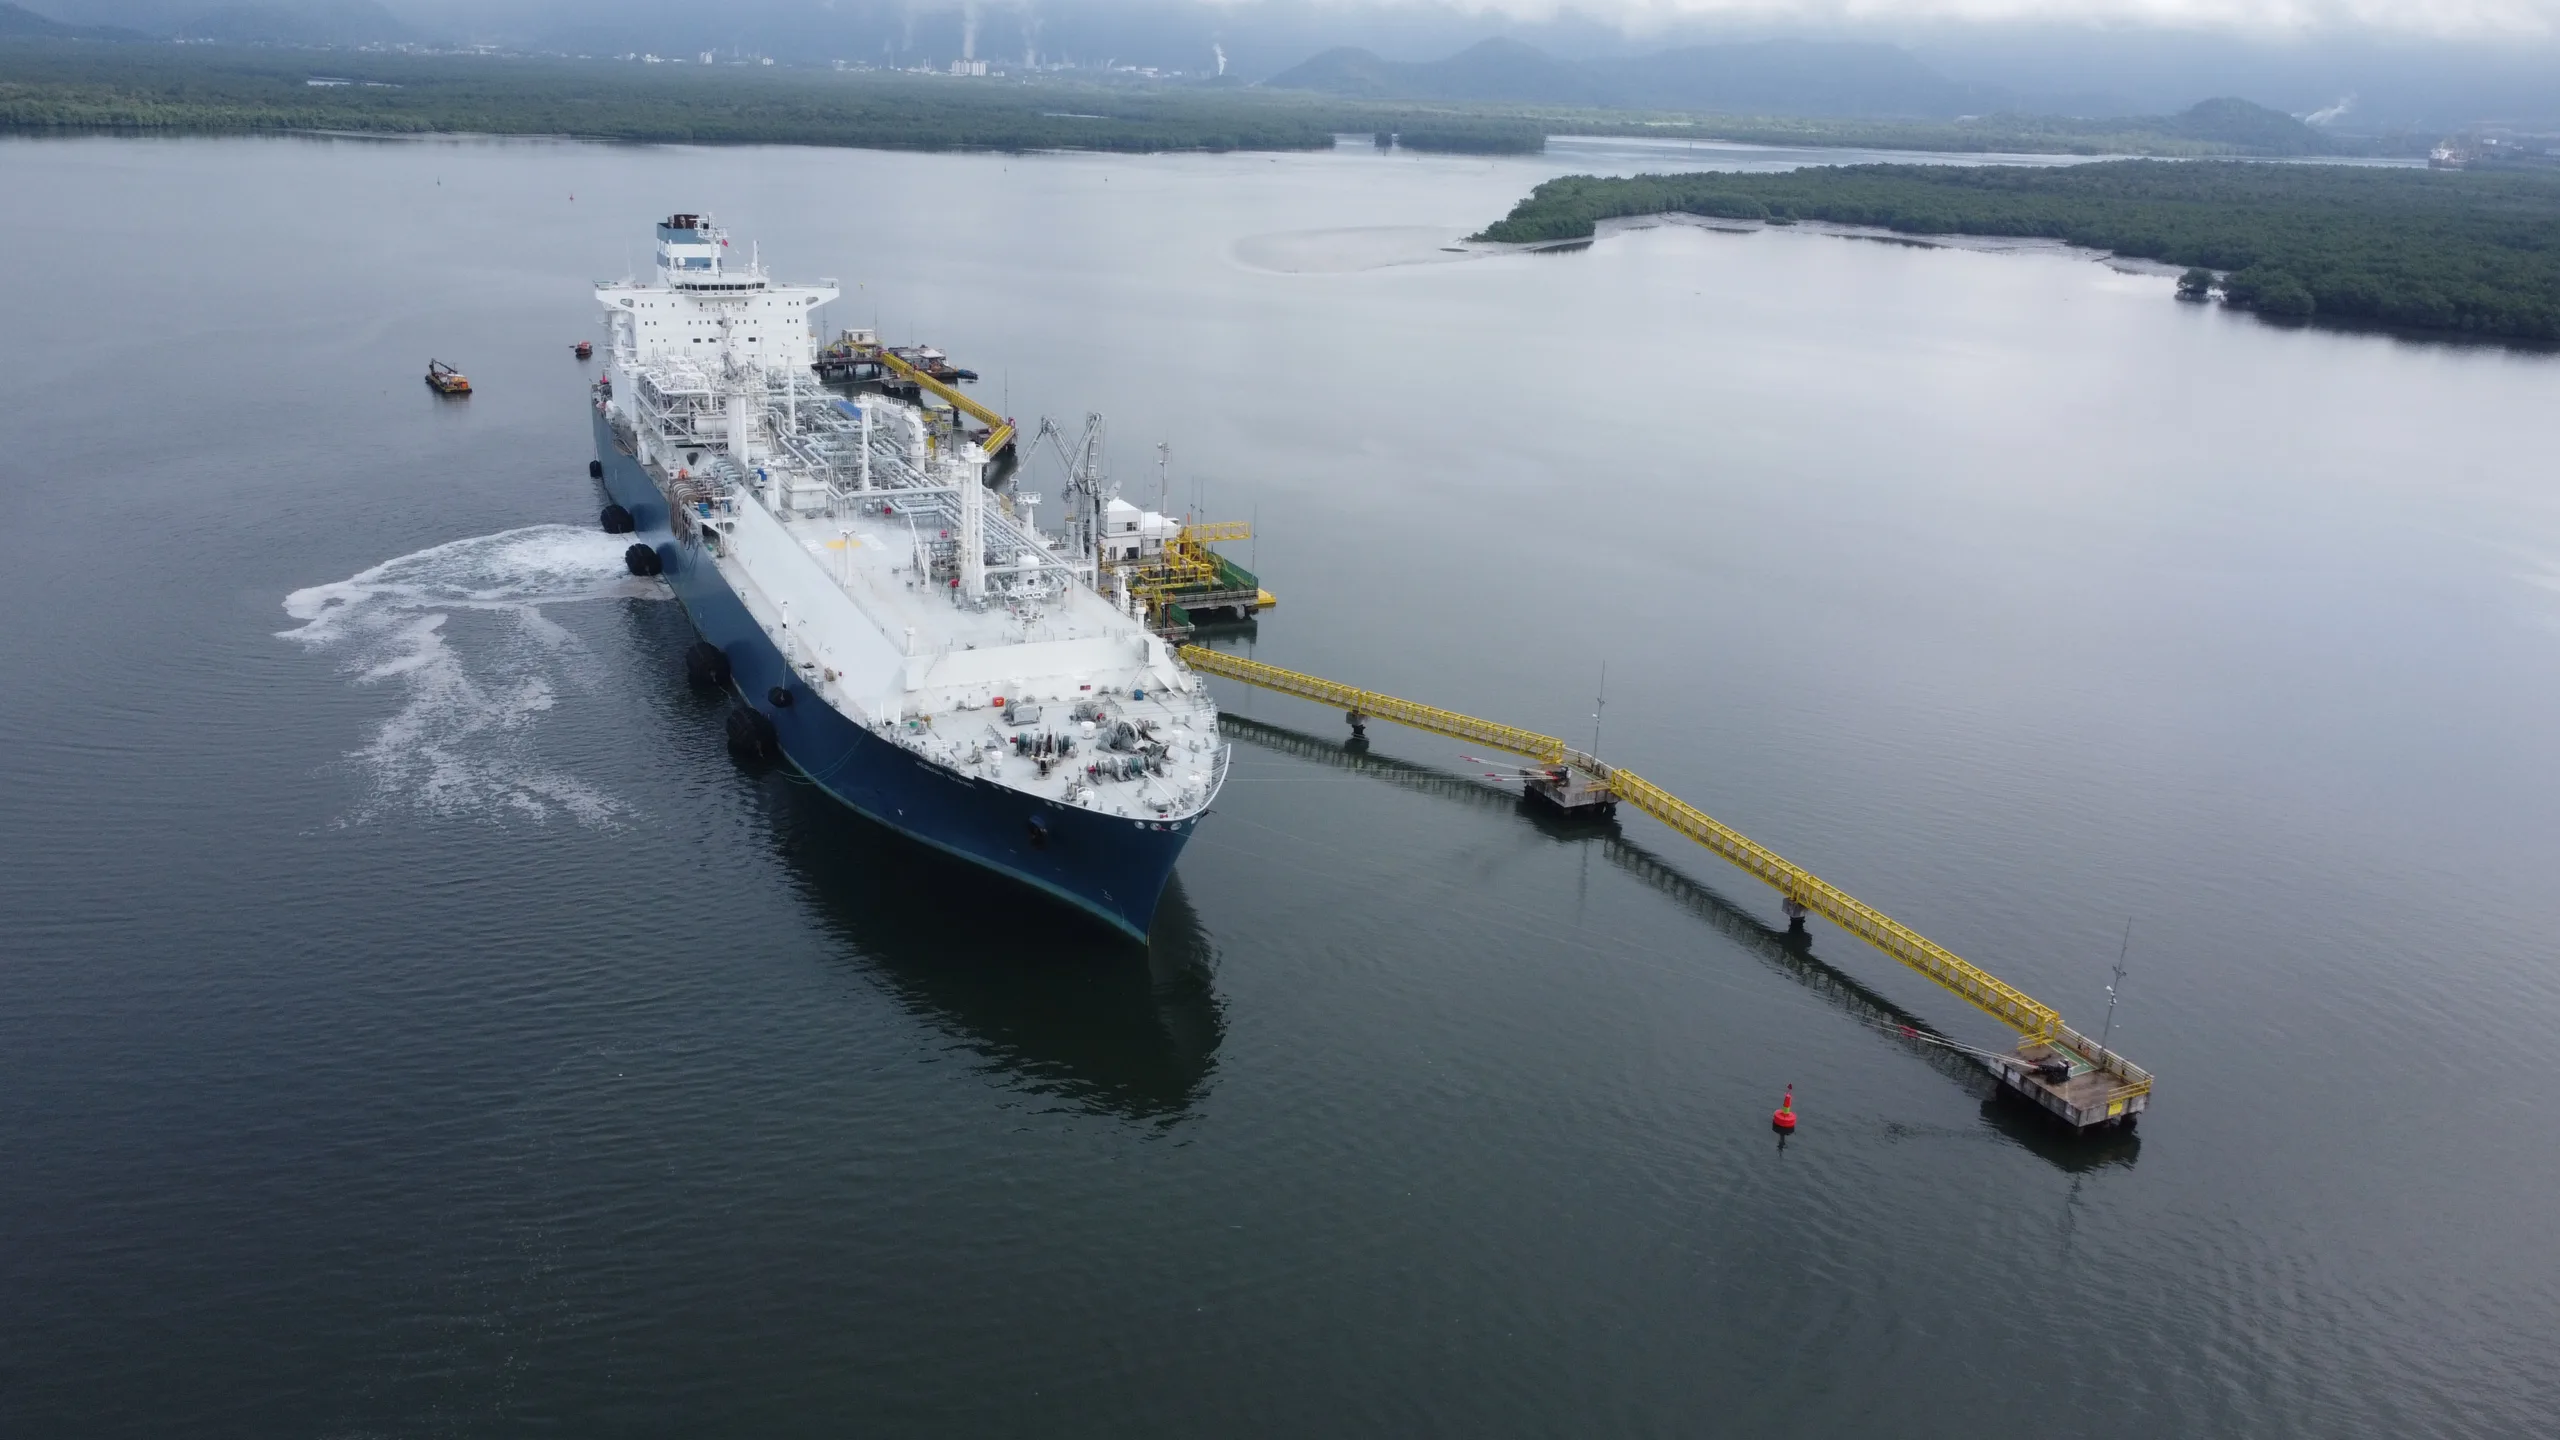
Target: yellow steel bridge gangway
(858,348)
(1000,429)
(2054,1065)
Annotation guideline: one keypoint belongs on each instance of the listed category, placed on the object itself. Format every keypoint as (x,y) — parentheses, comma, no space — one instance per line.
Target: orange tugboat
(445,380)
(586,349)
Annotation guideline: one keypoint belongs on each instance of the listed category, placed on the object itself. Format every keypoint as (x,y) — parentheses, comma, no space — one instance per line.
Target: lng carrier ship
(913,644)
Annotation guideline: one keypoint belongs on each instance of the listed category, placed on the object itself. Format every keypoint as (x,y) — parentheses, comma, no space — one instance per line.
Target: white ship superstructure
(862,541)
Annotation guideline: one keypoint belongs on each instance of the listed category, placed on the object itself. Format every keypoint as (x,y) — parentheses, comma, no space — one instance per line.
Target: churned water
(460,742)
(413,1022)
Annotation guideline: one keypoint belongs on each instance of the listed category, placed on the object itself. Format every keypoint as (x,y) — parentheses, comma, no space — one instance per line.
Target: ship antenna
(2107,1033)
(1599,705)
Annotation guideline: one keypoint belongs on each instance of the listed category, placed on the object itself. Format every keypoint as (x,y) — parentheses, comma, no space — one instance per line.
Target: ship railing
(676,416)
(665,385)
(2134,1079)
(828,442)
(1218,774)
(1011,539)
(834,443)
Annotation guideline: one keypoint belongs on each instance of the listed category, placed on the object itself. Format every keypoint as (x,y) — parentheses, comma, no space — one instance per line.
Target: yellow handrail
(999,429)
(1510,738)
(2033,1020)
(1987,991)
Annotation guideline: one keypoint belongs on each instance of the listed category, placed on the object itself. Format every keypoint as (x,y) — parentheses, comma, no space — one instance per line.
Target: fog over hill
(1760,77)
(265,22)
(2370,67)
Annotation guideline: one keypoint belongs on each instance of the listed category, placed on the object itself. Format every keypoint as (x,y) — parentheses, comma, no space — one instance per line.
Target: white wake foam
(461,742)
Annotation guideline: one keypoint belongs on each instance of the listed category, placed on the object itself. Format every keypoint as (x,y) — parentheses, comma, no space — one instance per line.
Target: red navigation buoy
(1784,1122)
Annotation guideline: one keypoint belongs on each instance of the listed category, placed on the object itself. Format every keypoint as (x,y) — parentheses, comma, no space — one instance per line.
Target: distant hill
(1790,77)
(2252,127)
(350,22)
(1774,77)
(19,22)
(1509,70)
(1779,78)
(1497,70)
(254,22)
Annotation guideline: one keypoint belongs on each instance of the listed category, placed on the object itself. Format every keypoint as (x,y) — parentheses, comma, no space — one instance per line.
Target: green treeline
(53,84)
(1469,135)
(67,86)
(2478,253)
(2225,128)
(191,88)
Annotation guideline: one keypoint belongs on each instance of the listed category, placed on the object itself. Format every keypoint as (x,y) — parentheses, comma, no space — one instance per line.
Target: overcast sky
(2488,20)
(2447,18)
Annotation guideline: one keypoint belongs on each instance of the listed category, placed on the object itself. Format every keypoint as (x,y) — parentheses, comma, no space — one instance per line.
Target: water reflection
(1067,1007)
(1064,1005)
(1789,953)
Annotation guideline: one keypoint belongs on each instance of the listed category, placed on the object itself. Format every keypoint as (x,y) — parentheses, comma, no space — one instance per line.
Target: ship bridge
(689,244)
(706,310)
(693,254)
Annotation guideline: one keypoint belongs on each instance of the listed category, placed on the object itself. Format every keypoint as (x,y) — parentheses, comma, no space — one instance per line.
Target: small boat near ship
(445,380)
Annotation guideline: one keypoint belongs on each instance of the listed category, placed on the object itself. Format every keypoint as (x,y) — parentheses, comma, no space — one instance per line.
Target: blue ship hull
(1108,865)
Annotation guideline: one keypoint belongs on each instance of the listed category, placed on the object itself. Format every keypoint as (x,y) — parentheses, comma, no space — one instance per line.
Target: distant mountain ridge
(1767,77)
(348,22)
(19,22)
(306,22)
(1798,78)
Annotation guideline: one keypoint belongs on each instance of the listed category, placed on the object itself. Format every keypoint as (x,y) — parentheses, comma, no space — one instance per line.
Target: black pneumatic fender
(595,469)
(706,666)
(751,734)
(641,560)
(616,520)
(780,695)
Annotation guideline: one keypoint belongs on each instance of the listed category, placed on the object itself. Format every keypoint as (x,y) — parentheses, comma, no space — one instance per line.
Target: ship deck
(1029,695)
(874,557)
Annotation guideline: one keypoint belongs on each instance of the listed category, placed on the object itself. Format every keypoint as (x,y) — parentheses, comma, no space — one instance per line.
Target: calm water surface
(411,1022)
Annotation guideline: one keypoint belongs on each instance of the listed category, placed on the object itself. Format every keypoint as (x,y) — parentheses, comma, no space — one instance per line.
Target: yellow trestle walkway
(999,429)
(2115,1084)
